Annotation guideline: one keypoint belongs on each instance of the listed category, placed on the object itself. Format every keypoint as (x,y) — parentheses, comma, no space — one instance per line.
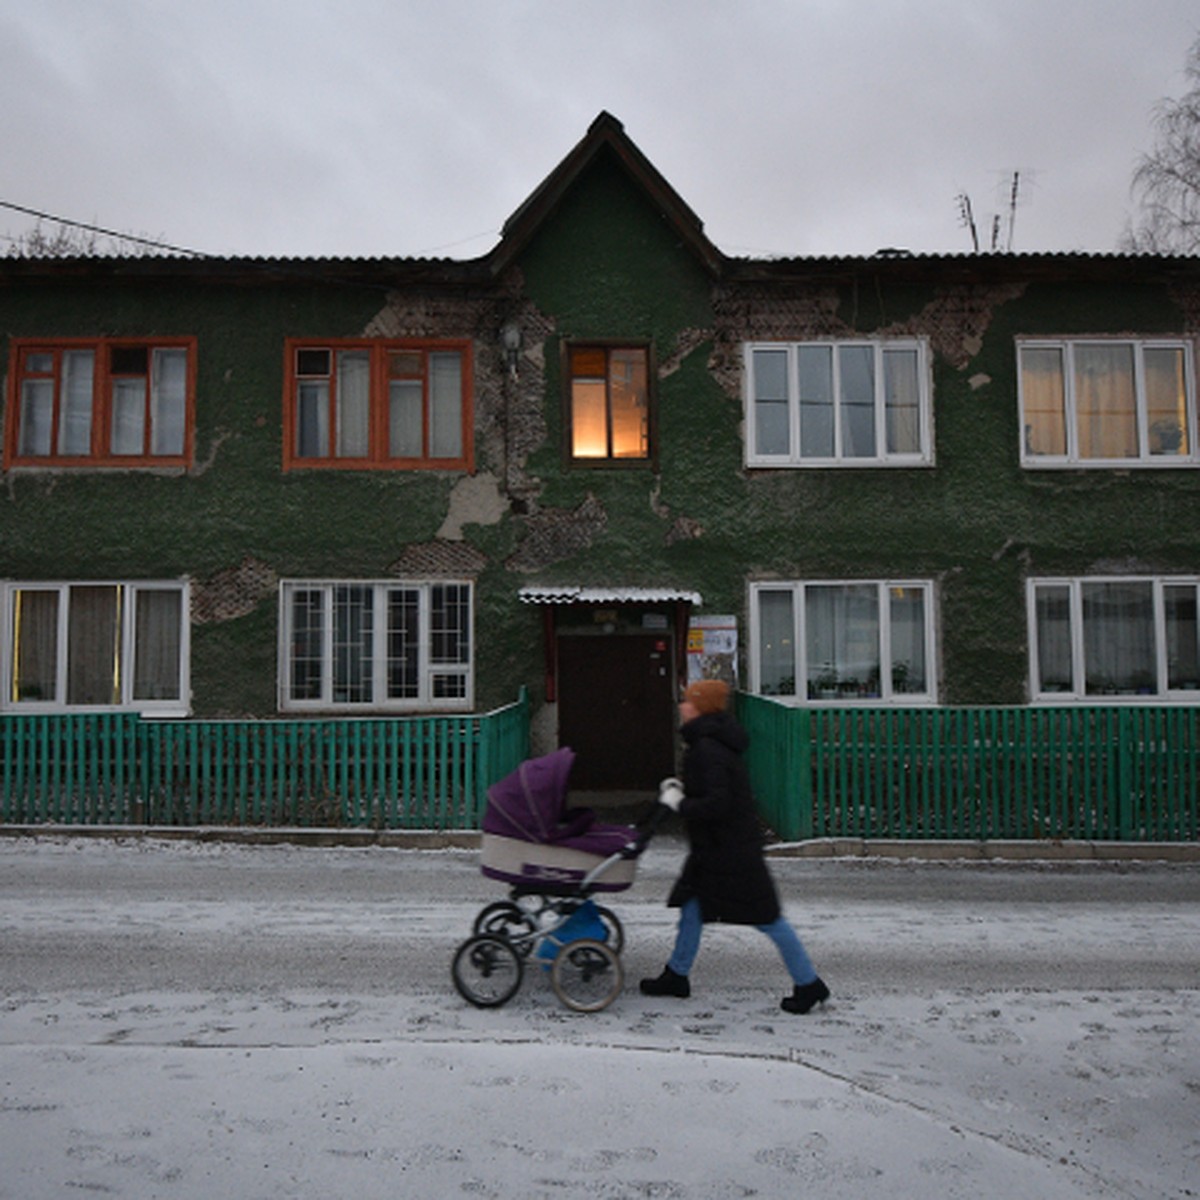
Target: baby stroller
(555,859)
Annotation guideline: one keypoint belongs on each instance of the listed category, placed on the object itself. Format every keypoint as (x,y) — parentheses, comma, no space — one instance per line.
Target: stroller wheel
(487,970)
(587,975)
(508,920)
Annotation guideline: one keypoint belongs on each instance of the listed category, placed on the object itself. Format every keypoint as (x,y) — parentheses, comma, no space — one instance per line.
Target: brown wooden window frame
(575,349)
(384,361)
(114,361)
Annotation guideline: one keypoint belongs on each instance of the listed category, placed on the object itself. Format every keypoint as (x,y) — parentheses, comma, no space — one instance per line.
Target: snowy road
(198,1020)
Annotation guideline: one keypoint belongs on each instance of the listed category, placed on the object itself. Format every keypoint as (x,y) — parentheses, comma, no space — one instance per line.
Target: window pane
(448,687)
(129,360)
(777,643)
(1166,401)
(589,424)
(308,640)
(1183,646)
(75,420)
(158,629)
(168,401)
(405,431)
(449,621)
(352,644)
(815,367)
(627,396)
(842,636)
(313,362)
(353,404)
(1052,606)
(37,417)
(907,611)
(94,645)
(312,419)
(902,411)
(772,434)
(1118,638)
(1044,397)
(403,649)
(35,645)
(446,405)
(129,416)
(857,383)
(1105,411)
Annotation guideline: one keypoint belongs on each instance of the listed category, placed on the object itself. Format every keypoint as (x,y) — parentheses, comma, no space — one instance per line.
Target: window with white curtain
(369,403)
(839,642)
(1114,638)
(352,645)
(86,401)
(96,645)
(1107,401)
(850,402)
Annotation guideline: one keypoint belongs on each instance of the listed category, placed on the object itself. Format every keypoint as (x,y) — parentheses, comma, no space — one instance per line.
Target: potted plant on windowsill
(825,686)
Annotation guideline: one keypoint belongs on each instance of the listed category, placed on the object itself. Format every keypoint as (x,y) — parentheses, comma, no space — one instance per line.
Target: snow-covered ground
(203,1021)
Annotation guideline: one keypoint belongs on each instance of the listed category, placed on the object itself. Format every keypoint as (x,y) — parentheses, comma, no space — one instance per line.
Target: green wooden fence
(1096,773)
(117,768)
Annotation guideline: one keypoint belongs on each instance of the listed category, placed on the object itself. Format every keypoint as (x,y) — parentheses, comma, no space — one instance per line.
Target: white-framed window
(843,641)
(1122,402)
(353,645)
(1114,638)
(86,646)
(862,402)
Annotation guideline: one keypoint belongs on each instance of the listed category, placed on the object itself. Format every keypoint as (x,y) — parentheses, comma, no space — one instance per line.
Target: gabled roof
(605,133)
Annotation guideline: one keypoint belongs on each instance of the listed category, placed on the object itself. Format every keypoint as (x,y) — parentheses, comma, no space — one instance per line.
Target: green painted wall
(606,264)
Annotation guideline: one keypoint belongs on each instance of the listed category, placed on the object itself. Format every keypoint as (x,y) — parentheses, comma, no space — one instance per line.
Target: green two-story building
(599,457)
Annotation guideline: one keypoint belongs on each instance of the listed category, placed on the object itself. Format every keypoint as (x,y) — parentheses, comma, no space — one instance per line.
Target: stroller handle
(646,832)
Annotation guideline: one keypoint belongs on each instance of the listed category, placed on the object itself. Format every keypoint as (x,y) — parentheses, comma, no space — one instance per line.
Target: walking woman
(725,876)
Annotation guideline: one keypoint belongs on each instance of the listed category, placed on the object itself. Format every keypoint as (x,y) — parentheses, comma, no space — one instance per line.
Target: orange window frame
(22,350)
(379,352)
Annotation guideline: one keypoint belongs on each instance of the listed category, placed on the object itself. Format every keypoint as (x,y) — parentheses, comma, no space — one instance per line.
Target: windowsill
(1117,464)
(165,466)
(450,465)
(839,464)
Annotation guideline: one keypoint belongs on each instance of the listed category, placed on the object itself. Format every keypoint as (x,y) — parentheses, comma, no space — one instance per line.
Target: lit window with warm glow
(609,403)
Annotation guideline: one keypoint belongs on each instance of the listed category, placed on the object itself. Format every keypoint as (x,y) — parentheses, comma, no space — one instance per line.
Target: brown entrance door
(616,710)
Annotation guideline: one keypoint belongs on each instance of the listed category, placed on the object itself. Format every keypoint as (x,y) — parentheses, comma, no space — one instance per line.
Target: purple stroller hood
(530,805)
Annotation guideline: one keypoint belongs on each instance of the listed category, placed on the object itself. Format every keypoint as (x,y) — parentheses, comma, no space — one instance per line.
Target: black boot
(804,996)
(667,984)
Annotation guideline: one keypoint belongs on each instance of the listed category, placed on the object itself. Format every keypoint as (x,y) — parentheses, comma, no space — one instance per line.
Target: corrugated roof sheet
(568,594)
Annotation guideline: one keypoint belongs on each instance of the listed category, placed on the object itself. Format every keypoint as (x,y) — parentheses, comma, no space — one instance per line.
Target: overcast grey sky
(415,127)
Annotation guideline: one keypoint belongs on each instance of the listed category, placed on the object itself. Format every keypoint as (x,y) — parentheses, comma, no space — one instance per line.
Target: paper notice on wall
(712,649)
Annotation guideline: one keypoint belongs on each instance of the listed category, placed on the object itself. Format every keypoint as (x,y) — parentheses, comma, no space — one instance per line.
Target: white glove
(670,793)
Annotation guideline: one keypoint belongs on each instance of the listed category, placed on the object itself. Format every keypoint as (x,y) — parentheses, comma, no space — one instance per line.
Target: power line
(153,243)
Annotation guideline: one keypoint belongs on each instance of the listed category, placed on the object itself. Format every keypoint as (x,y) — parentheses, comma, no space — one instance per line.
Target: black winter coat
(725,868)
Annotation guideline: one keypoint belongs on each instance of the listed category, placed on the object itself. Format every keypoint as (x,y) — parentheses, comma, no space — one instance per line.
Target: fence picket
(1099,772)
(372,772)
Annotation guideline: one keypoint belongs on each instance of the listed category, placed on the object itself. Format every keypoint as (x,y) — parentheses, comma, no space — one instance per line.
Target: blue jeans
(691,926)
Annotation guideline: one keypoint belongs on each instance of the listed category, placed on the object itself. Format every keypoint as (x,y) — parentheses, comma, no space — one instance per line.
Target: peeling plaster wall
(605,265)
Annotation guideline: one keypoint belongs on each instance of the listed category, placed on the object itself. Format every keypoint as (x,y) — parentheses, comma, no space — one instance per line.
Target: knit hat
(708,695)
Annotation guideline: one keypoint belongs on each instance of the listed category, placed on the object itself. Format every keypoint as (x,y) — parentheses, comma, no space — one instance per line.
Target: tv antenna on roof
(1010,195)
